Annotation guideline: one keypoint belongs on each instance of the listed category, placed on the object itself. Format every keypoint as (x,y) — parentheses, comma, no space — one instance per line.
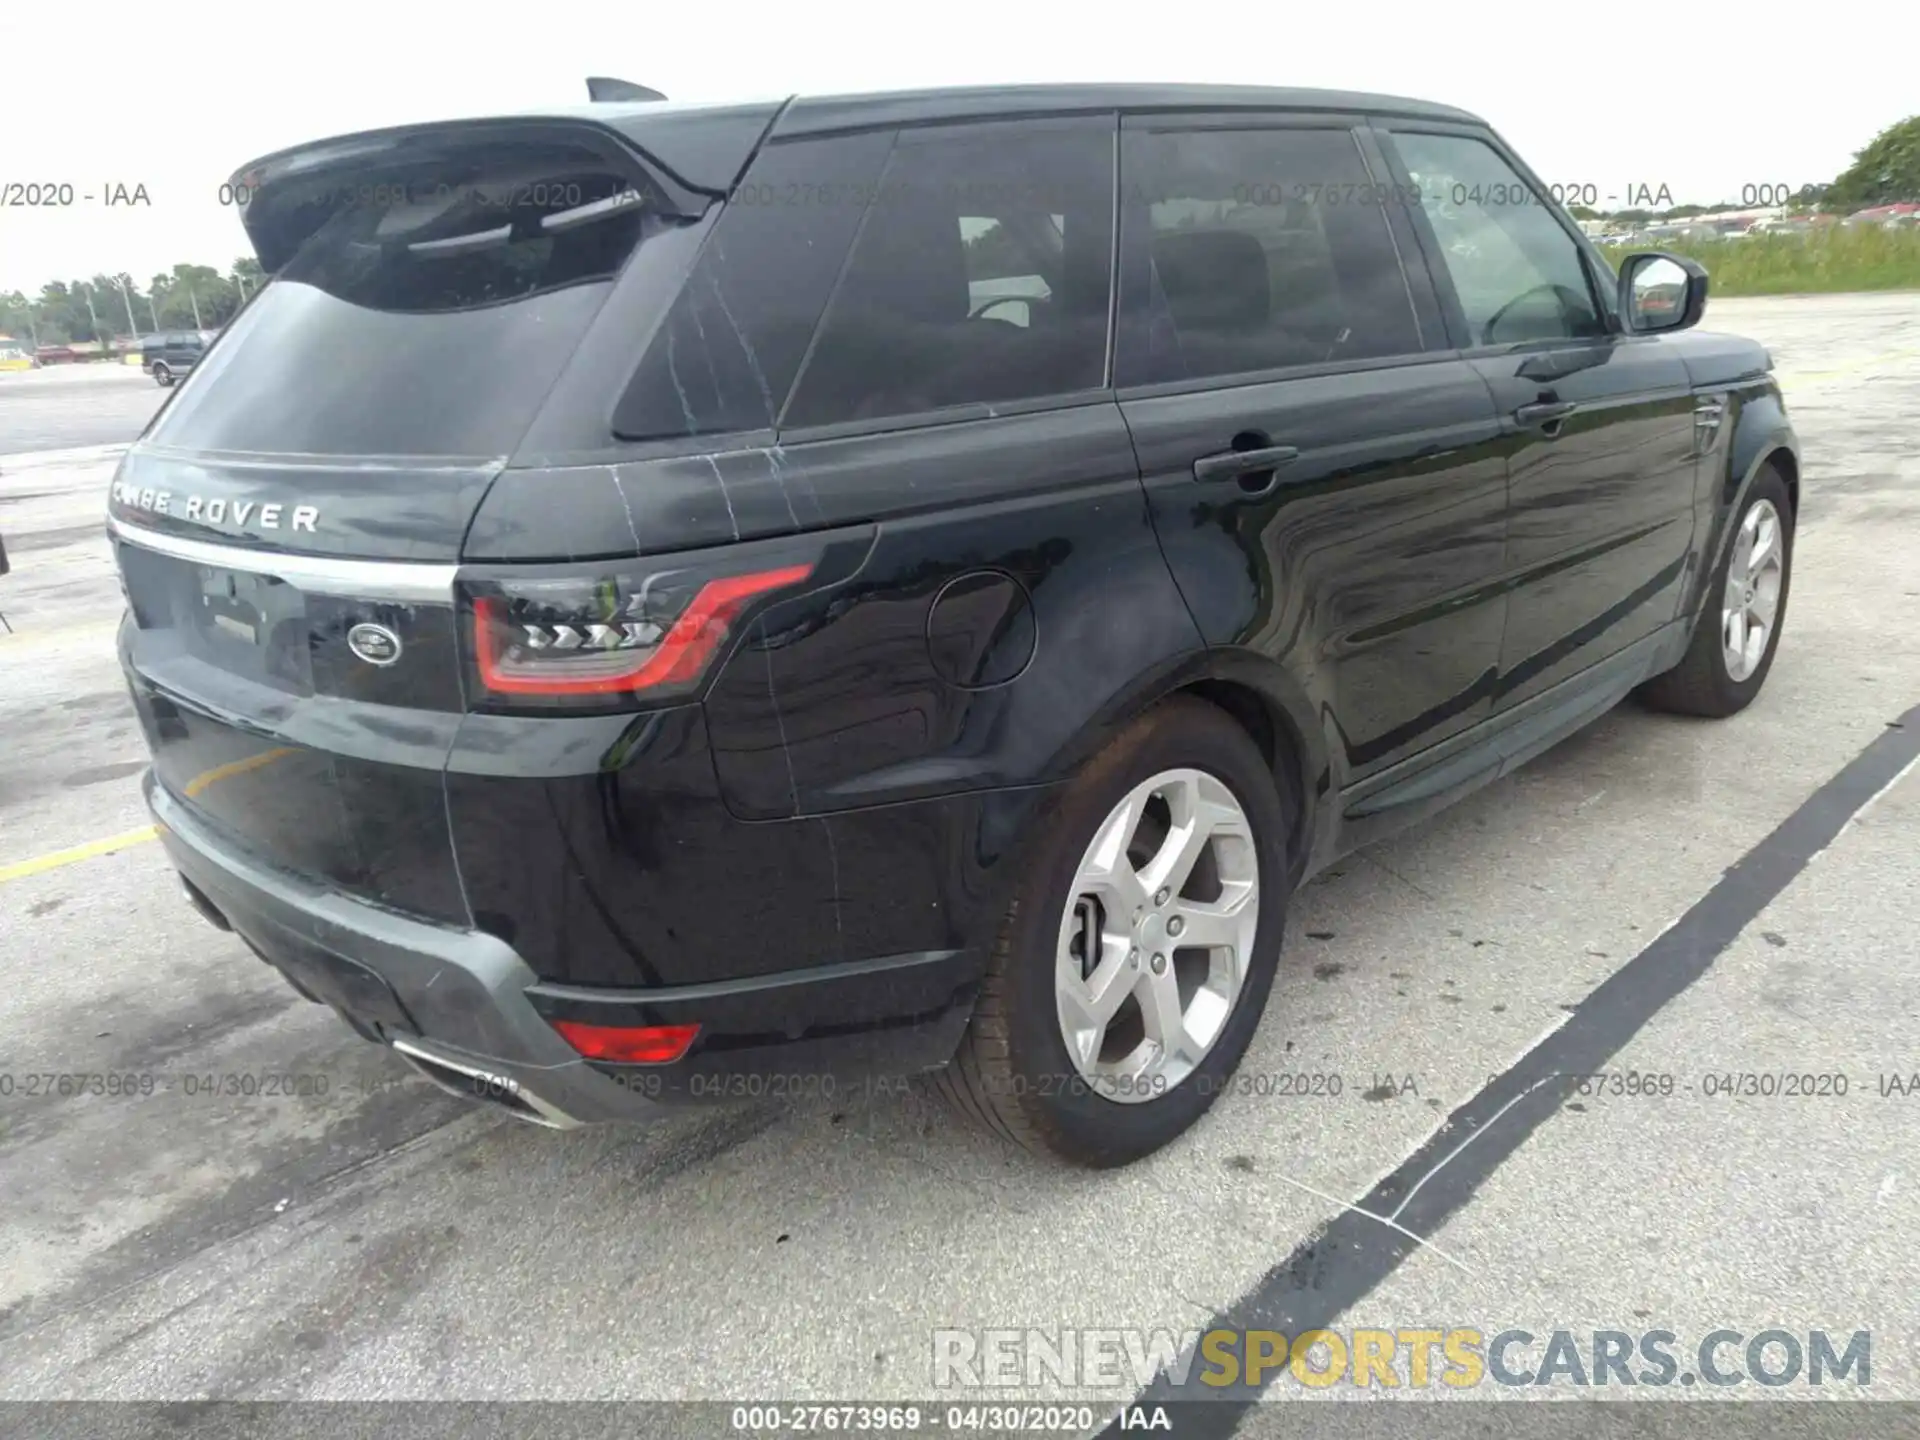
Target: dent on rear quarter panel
(837,700)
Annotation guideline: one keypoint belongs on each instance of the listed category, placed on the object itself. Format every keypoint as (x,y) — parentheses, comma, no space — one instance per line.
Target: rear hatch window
(428,305)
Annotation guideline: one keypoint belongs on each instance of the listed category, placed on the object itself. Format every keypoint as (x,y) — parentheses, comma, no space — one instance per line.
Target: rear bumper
(464,1008)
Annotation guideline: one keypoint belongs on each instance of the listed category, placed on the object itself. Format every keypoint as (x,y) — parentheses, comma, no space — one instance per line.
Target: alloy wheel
(1157,935)
(1751,600)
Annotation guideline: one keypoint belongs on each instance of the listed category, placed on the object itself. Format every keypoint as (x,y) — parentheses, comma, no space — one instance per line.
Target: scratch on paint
(619,485)
(753,361)
(706,352)
(714,465)
(779,454)
(780,479)
(673,369)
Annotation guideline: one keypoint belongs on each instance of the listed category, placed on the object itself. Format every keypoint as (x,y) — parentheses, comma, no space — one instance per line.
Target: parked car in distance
(941,569)
(168,354)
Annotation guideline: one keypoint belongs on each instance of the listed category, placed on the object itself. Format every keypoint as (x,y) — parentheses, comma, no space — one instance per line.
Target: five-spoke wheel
(1750,600)
(1738,632)
(1154,942)
(1140,940)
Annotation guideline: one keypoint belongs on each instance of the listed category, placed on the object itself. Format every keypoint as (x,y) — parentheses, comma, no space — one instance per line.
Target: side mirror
(1660,292)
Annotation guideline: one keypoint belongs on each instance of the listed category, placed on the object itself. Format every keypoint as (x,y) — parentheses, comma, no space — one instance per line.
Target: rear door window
(429,310)
(981,275)
(1002,279)
(1250,250)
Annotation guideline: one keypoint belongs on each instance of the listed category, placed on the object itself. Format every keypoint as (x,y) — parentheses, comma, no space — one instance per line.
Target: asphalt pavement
(1725,912)
(65,407)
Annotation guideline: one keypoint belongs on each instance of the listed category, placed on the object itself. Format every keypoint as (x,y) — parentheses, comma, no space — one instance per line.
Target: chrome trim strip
(408,580)
(545,1112)
(255,460)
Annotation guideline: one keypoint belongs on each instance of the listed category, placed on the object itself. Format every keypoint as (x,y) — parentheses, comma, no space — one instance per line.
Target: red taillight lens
(628,1044)
(571,637)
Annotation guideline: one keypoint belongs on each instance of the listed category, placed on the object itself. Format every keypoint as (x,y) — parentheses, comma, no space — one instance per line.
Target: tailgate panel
(264,723)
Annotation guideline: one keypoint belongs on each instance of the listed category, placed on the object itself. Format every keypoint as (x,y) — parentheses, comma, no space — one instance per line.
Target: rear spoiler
(284,197)
(605,87)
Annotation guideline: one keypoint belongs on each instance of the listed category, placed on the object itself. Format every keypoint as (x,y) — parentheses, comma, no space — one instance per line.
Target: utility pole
(92,317)
(196,306)
(153,303)
(133,325)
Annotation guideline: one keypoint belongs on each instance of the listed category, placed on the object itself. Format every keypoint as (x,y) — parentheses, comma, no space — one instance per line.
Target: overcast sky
(1701,99)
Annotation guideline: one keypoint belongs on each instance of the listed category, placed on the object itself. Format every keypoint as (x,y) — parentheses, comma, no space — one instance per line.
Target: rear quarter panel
(903,684)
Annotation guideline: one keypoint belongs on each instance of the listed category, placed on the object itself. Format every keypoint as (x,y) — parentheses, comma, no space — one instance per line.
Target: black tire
(1012,1073)
(1700,684)
(162,375)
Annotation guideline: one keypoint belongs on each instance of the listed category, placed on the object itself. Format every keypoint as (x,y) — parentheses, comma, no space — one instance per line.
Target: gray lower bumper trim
(465,990)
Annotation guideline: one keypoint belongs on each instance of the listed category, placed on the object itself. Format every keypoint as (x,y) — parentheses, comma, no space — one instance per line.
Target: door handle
(1544,412)
(1231,464)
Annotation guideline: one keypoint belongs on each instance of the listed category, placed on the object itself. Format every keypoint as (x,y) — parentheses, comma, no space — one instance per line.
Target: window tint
(1519,275)
(727,353)
(1001,277)
(429,310)
(1256,249)
(980,275)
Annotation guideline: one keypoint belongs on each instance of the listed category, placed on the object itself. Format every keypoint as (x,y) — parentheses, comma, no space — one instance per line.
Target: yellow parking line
(68,856)
(54,860)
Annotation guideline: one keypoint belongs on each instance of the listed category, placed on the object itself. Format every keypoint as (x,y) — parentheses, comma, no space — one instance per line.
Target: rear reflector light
(628,1044)
(604,636)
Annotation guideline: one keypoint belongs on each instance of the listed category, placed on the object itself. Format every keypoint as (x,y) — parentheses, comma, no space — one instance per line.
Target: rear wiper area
(463,181)
(623,203)
(611,207)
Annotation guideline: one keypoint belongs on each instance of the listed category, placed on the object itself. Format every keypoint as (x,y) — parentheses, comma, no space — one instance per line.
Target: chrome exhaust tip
(472,1082)
(197,898)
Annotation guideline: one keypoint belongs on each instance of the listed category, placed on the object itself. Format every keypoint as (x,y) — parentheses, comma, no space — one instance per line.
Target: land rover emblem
(375,644)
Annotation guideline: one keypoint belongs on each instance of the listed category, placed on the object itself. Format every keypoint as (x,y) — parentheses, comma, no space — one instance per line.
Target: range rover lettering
(764,596)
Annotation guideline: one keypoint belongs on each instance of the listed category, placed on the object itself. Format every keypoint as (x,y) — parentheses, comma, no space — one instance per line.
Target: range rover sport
(656,602)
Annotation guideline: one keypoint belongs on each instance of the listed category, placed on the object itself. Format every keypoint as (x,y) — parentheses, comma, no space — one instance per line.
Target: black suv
(660,602)
(169,354)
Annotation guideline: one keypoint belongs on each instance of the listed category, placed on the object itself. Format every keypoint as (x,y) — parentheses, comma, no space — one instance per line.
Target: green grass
(1821,262)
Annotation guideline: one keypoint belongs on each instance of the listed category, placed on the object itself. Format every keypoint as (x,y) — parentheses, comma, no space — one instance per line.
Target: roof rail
(605,87)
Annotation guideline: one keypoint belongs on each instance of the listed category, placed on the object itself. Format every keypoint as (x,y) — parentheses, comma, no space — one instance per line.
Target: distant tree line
(187,297)
(1887,172)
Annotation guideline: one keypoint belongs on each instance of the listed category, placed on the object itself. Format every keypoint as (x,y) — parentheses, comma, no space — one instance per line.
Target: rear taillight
(628,1044)
(649,635)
